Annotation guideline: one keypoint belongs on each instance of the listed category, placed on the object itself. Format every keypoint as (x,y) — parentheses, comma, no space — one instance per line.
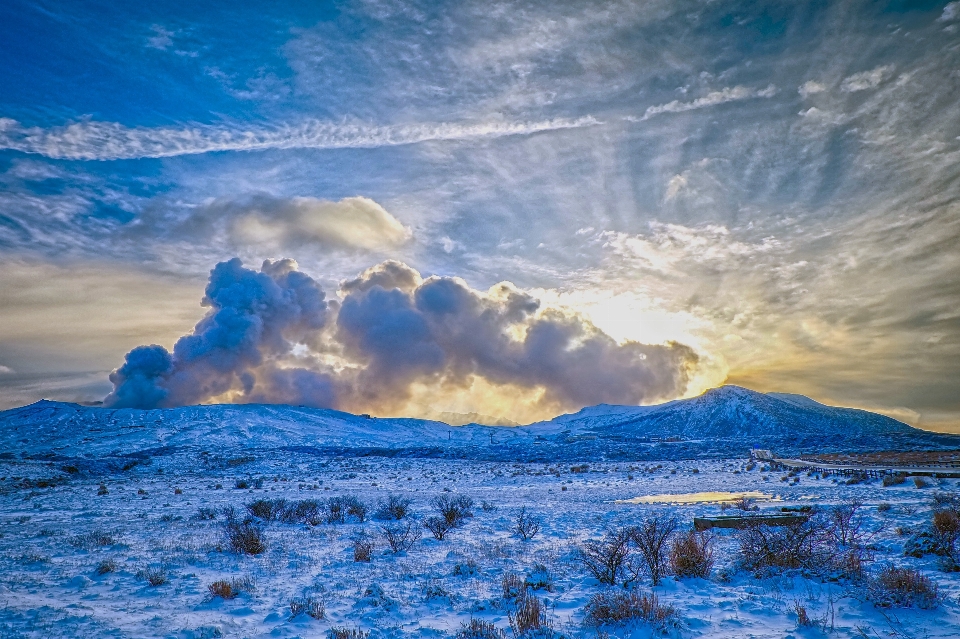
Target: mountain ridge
(721,419)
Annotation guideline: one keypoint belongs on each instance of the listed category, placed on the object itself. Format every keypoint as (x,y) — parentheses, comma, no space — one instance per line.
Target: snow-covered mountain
(724,420)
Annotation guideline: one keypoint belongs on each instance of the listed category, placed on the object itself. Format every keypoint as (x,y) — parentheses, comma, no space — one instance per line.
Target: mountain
(723,421)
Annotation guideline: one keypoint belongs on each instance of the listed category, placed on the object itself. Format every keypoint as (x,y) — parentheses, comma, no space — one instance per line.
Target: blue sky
(772,185)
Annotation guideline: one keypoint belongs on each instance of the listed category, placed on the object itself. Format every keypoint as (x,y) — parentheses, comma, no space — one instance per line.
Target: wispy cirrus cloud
(93,140)
(727,94)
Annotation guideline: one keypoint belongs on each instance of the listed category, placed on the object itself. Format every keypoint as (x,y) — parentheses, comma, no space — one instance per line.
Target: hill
(724,421)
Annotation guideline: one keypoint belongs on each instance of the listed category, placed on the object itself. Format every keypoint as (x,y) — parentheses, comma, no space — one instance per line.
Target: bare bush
(946,536)
(205,514)
(691,555)
(153,576)
(903,588)
(652,537)
(106,566)
(267,509)
(920,482)
(356,509)
(92,540)
(362,549)
(394,508)
(513,586)
(341,632)
(438,527)
(798,545)
(479,629)
(401,537)
(526,526)
(609,559)
(455,509)
(615,607)
(530,615)
(310,606)
(230,588)
(894,479)
(245,537)
(803,617)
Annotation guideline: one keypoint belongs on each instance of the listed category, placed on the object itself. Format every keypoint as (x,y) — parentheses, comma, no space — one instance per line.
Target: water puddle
(698,498)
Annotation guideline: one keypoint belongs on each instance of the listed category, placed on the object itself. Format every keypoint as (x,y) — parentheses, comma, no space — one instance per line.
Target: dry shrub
(310,606)
(903,588)
(341,632)
(530,615)
(513,586)
(106,566)
(394,508)
(526,526)
(803,617)
(455,509)
(691,555)
(615,607)
(245,537)
(609,559)
(479,629)
(153,576)
(401,537)
(894,480)
(438,527)
(799,545)
(362,550)
(651,538)
(92,540)
(229,589)
(920,482)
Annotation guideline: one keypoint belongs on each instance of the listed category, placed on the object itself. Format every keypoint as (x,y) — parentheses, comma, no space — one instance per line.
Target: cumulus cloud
(256,319)
(392,331)
(92,140)
(810,87)
(728,94)
(950,12)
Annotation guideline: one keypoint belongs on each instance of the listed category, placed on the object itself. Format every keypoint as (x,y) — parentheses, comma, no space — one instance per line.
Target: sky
(507,210)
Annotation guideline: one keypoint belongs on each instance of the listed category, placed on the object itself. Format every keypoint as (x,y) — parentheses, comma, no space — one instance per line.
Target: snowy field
(169,524)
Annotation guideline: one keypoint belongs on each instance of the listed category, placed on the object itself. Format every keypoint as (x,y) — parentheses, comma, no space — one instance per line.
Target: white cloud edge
(95,140)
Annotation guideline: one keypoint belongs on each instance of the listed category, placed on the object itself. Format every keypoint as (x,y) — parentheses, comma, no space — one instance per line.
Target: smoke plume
(272,337)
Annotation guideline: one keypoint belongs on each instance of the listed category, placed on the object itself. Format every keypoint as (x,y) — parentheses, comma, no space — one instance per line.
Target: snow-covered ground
(50,586)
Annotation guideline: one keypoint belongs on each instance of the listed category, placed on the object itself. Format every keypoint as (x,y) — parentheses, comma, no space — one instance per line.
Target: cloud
(810,87)
(393,331)
(161,38)
(93,140)
(283,224)
(729,94)
(950,12)
(255,319)
(866,79)
(5,370)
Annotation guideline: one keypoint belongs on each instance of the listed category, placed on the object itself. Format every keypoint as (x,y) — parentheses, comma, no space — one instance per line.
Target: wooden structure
(743,521)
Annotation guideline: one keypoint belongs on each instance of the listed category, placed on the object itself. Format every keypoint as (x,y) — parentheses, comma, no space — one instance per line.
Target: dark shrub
(455,509)
(438,527)
(526,526)
(153,576)
(356,509)
(609,559)
(245,537)
(230,588)
(394,508)
(894,479)
(340,632)
(479,629)
(513,586)
(691,555)
(267,509)
(205,514)
(310,606)
(652,539)
(362,550)
(799,545)
(529,616)
(92,540)
(616,607)
(401,537)
(106,566)
(903,588)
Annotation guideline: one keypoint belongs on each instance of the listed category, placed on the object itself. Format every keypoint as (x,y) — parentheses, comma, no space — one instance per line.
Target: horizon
(513,210)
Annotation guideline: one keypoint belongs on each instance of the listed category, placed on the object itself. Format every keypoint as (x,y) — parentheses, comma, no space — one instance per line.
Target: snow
(161,467)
